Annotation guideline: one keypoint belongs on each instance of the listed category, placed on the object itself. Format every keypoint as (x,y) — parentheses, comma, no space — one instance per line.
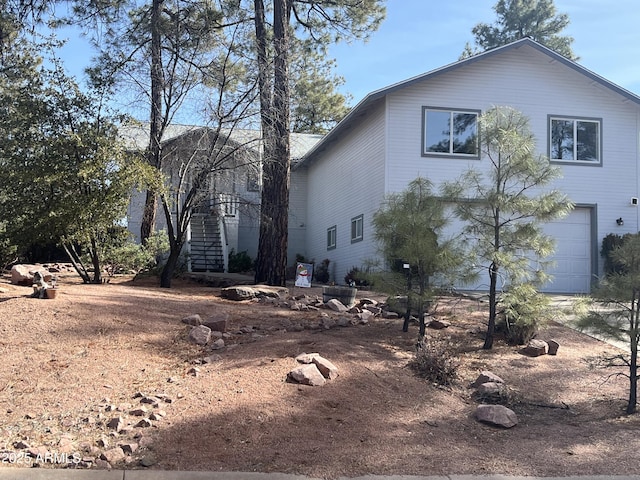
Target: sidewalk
(63,474)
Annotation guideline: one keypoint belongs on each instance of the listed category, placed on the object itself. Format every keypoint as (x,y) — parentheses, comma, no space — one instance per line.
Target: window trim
(596,120)
(449,154)
(332,230)
(354,226)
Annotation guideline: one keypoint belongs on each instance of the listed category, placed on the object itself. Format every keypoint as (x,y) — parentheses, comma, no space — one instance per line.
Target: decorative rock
(389,314)
(243,292)
(116,423)
(193,320)
(439,324)
(238,293)
(23,274)
(20,445)
(113,455)
(498,415)
(200,335)
(144,423)
(490,388)
(129,448)
(139,412)
(308,375)
(217,322)
(306,357)
(486,377)
(553,347)
(336,305)
(218,344)
(373,309)
(328,369)
(536,348)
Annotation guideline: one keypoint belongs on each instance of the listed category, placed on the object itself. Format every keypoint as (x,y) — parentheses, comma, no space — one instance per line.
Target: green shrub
(321,271)
(122,255)
(356,278)
(240,262)
(609,244)
(436,361)
(524,311)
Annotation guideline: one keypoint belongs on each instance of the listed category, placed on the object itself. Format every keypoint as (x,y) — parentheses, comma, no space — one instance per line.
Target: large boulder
(23,274)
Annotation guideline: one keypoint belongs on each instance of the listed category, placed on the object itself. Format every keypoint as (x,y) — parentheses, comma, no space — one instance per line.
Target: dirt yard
(71,365)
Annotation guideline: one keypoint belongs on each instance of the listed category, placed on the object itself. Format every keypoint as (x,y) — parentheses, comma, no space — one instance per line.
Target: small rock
(193,371)
(486,377)
(116,423)
(21,445)
(193,320)
(129,448)
(200,335)
(113,455)
(438,324)
(218,344)
(536,348)
(498,415)
(328,369)
(149,400)
(307,375)
(139,412)
(553,347)
(217,322)
(336,305)
(144,423)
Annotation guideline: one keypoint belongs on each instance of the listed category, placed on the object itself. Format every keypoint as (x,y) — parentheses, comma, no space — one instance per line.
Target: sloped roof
(136,137)
(374,98)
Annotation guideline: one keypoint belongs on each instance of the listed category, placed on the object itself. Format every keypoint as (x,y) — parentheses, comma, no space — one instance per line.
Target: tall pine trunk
(156,120)
(271,263)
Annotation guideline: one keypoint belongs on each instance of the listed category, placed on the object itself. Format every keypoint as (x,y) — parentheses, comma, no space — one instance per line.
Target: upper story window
(450,132)
(357,229)
(575,140)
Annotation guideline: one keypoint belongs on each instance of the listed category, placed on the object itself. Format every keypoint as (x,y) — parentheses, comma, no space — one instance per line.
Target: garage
(572,269)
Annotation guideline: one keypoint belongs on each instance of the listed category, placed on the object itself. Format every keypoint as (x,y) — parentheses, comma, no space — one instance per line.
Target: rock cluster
(314,371)
(490,386)
(123,442)
(536,348)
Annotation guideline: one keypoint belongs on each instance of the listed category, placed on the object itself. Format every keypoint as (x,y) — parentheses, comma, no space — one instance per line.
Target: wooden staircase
(207,253)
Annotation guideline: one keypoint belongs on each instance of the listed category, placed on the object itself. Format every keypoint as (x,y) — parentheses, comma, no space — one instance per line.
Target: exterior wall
(526,80)
(347,181)
(297,215)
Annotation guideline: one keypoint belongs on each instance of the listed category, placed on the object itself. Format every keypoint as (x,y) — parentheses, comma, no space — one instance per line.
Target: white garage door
(572,270)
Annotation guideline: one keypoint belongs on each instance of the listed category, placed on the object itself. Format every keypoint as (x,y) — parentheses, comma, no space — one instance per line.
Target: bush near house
(240,262)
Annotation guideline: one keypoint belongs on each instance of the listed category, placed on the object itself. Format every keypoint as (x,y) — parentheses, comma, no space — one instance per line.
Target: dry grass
(64,361)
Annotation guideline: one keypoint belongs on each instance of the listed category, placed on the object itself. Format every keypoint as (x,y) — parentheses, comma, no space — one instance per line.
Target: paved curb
(71,474)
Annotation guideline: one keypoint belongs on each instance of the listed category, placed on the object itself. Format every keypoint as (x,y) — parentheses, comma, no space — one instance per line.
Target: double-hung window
(450,132)
(331,237)
(575,140)
(356,229)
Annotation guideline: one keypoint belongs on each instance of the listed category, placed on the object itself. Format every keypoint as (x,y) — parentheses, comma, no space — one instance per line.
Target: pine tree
(537,19)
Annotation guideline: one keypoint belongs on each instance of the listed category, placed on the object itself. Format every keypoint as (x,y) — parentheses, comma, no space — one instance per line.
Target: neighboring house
(227,216)
(584,123)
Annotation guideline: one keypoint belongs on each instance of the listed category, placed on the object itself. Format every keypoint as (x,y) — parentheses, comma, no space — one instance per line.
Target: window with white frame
(331,237)
(575,140)
(450,132)
(356,229)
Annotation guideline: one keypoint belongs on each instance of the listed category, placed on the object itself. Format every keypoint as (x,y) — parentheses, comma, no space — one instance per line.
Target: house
(226,217)
(584,123)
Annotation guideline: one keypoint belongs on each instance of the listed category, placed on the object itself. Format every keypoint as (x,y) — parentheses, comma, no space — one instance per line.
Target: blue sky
(421,35)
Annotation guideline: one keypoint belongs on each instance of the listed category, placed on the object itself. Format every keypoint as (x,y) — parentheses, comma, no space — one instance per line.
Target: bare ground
(66,362)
